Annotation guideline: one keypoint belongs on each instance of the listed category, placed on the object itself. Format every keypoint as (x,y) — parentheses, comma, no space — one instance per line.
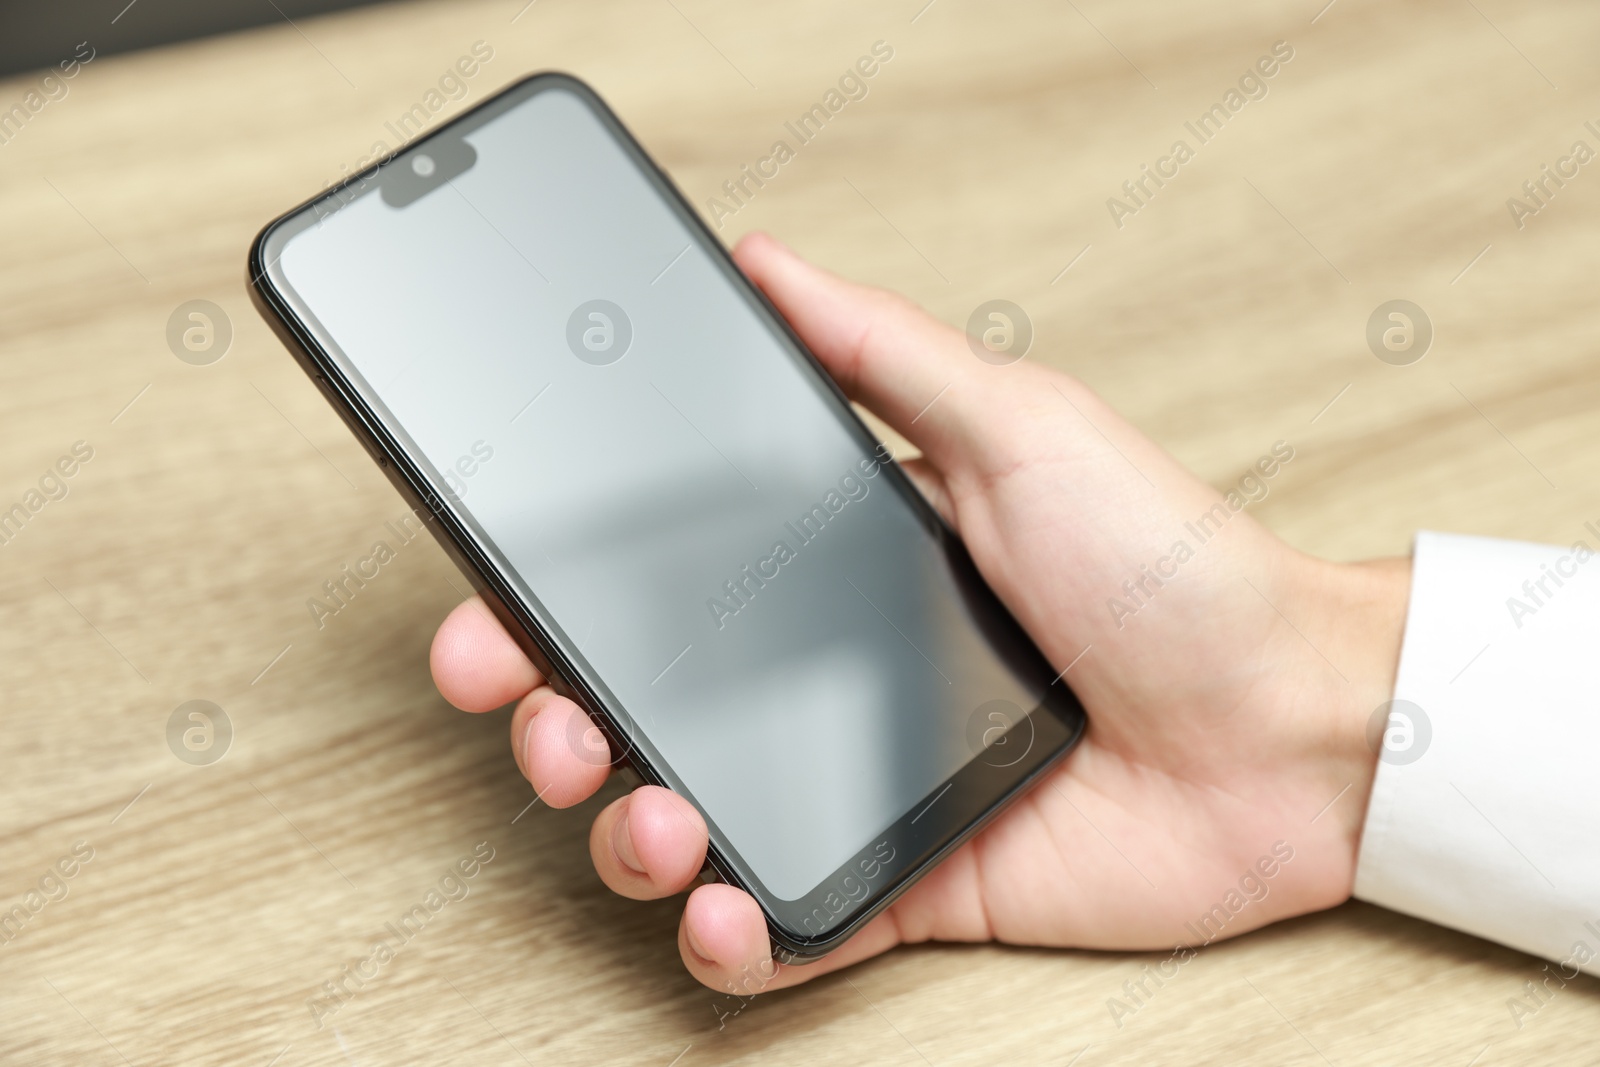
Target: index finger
(476,665)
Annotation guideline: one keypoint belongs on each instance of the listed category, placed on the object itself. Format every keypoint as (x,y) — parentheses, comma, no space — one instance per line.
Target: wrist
(1362,608)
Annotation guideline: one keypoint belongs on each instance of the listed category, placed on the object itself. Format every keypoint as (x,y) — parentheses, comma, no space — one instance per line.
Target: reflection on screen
(668,479)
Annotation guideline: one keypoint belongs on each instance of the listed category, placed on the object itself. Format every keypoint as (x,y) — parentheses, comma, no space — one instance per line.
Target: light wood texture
(1227,314)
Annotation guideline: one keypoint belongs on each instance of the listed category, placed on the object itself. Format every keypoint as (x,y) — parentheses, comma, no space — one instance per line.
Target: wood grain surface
(1229,311)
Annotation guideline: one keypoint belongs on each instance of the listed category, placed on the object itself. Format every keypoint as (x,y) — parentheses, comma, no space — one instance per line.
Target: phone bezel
(473,552)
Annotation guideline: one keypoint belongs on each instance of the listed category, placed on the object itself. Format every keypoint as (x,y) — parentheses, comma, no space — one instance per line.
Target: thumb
(908,368)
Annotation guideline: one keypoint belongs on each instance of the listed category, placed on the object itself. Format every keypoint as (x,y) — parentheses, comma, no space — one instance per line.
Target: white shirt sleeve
(1484,815)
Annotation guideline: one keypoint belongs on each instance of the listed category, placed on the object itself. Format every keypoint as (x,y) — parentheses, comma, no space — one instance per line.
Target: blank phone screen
(708,535)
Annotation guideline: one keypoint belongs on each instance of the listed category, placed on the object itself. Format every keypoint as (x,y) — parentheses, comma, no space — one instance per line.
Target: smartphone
(667,502)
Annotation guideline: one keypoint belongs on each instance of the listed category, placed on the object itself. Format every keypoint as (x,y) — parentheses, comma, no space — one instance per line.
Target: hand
(1227,705)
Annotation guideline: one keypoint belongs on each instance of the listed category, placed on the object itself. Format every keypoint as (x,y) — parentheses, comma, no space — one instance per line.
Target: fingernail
(622,845)
(525,749)
(694,944)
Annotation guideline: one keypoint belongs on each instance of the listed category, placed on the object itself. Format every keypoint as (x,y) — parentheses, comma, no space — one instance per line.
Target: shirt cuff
(1484,815)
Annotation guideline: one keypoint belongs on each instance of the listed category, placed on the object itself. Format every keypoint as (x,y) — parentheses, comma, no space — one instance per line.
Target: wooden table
(1229,311)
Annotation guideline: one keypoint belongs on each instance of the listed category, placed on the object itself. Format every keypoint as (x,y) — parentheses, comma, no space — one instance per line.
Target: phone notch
(416,172)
